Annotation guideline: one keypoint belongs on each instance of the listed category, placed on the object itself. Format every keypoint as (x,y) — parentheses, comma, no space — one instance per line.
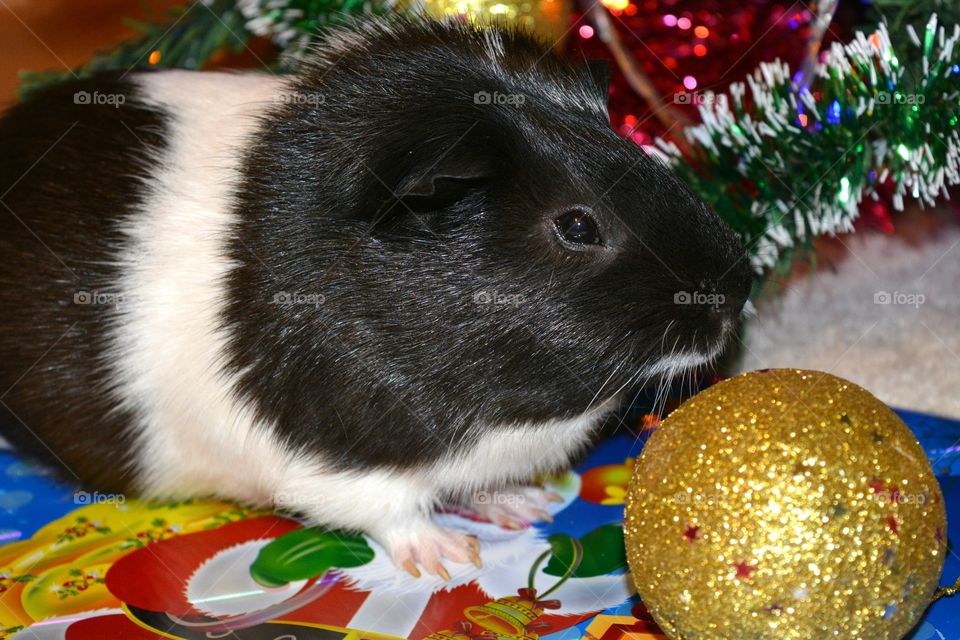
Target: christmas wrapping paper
(78,565)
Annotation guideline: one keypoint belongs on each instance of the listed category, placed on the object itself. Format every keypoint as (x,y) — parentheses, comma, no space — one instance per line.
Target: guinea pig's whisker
(605,382)
(663,390)
(626,384)
(641,377)
(692,370)
(663,339)
(631,379)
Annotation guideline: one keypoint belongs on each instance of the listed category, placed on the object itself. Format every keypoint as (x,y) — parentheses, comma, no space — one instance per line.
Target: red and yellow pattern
(61,569)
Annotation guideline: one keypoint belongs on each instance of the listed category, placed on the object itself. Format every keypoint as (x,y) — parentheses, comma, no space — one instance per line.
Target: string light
(616,5)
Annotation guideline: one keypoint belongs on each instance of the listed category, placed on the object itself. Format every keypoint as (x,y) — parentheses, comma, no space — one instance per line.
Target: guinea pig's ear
(437,182)
(600,73)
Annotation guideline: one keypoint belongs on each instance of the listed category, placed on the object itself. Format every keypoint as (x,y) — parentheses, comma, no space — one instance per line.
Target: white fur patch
(515,454)
(194,438)
(386,503)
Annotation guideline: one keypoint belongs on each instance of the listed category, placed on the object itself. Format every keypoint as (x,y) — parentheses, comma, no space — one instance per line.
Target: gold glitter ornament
(785,504)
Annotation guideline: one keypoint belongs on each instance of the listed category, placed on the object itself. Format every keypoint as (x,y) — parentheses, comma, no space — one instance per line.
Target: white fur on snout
(679,363)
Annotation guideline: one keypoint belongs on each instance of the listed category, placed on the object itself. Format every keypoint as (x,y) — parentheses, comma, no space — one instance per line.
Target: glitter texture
(785,504)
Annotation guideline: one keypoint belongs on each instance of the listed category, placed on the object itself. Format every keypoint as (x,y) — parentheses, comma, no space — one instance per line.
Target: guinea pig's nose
(728,306)
(725,294)
(738,282)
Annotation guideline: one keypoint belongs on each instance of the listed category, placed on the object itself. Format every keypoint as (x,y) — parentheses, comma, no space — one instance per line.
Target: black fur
(70,171)
(404,203)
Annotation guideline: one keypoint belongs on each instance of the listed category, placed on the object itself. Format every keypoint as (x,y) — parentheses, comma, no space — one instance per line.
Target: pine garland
(186,38)
(784,163)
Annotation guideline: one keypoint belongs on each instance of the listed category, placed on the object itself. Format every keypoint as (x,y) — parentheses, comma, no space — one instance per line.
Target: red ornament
(875,214)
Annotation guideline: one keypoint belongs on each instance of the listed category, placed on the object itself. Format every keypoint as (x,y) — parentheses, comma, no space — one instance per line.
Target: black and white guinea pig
(422,267)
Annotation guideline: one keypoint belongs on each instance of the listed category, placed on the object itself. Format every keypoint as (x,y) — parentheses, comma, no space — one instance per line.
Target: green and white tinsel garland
(292,24)
(784,164)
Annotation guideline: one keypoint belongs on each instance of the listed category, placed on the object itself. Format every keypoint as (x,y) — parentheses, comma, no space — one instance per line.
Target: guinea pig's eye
(577,227)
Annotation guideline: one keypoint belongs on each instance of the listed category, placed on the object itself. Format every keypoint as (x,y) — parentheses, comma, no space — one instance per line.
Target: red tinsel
(690,47)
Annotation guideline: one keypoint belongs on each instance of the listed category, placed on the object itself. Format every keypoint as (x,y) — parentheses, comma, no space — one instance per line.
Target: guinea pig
(421,269)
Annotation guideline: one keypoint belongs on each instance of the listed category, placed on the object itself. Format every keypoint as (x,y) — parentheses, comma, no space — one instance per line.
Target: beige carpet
(887,318)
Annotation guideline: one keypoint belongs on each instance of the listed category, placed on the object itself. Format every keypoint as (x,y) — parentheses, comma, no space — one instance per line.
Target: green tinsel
(900,14)
(784,164)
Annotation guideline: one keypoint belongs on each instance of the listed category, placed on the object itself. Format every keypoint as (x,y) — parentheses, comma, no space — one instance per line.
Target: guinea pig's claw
(428,547)
(509,523)
(516,508)
(474,544)
(474,552)
(543,515)
(411,568)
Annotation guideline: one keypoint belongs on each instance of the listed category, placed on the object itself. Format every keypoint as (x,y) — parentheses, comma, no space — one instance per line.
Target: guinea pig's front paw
(515,507)
(428,545)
